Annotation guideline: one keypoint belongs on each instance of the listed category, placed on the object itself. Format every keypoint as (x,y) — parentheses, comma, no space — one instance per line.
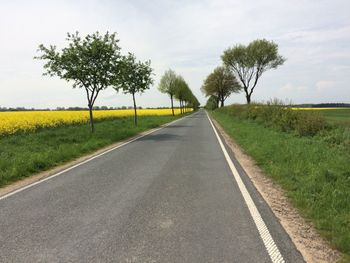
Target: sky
(186,36)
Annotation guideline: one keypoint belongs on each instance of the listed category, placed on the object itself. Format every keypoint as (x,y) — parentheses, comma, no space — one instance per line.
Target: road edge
(309,243)
(40,177)
(268,241)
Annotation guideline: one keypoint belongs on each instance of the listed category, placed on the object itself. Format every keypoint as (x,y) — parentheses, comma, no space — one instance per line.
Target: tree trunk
(248,98)
(222,103)
(135,117)
(91,119)
(247,95)
(180,107)
(172,104)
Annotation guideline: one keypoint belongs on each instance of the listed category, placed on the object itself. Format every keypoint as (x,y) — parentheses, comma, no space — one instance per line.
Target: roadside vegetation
(307,152)
(24,154)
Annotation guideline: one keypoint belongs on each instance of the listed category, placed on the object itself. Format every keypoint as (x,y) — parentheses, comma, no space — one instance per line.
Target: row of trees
(242,67)
(95,63)
(176,87)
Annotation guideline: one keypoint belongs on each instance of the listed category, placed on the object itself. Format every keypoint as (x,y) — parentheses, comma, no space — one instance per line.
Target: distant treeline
(76,108)
(324,105)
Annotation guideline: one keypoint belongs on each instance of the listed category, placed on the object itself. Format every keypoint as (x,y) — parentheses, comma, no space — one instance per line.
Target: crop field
(29,121)
(332,115)
(337,116)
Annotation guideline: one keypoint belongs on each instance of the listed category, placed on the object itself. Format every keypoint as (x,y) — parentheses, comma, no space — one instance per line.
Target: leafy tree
(92,63)
(188,98)
(135,77)
(221,83)
(193,102)
(168,85)
(250,62)
(212,103)
(182,92)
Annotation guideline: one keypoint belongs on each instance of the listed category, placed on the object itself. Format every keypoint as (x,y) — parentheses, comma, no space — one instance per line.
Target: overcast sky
(187,36)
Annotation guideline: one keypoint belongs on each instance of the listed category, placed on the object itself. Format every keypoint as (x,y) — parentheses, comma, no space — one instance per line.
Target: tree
(167,85)
(135,77)
(193,102)
(182,92)
(250,62)
(92,63)
(221,83)
(212,103)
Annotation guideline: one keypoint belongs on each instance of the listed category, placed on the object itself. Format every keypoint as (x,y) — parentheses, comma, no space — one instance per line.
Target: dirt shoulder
(310,244)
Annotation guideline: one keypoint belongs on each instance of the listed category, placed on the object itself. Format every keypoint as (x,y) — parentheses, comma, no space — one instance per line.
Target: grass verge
(314,173)
(24,154)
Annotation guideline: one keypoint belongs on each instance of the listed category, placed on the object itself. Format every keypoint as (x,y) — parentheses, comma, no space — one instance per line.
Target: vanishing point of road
(175,195)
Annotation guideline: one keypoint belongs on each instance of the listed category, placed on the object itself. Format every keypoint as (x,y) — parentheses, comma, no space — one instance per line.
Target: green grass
(338,116)
(314,173)
(22,155)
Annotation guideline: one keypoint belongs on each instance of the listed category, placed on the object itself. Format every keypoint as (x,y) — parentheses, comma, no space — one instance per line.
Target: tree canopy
(212,103)
(251,61)
(168,85)
(135,77)
(221,83)
(92,63)
(182,91)
(176,86)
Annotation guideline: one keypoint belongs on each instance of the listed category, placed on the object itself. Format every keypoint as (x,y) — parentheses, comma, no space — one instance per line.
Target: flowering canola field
(29,121)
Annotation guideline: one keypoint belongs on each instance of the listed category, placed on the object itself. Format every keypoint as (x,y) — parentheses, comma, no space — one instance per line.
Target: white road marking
(88,160)
(264,233)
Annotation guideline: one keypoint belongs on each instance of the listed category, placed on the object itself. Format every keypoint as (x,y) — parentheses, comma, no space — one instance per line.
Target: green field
(24,154)
(337,116)
(313,170)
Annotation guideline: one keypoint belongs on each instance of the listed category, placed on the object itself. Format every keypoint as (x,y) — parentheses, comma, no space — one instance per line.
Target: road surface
(169,196)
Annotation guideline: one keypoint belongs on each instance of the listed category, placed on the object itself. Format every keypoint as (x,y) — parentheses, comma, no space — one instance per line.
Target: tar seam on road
(88,160)
(264,233)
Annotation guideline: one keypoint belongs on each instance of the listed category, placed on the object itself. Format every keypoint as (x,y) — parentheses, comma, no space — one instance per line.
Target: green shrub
(309,123)
(276,115)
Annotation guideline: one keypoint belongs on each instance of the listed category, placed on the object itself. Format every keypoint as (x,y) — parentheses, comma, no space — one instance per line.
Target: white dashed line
(265,235)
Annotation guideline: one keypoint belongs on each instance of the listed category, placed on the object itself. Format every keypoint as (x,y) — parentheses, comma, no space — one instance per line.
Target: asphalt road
(167,197)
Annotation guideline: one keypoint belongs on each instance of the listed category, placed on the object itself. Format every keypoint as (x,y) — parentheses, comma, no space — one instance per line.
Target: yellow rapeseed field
(28,121)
